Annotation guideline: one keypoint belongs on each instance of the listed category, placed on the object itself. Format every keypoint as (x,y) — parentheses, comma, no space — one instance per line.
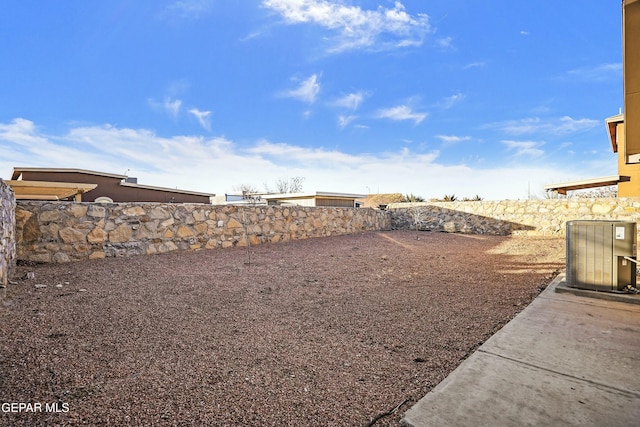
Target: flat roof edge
(172,190)
(615,119)
(584,184)
(18,170)
(313,194)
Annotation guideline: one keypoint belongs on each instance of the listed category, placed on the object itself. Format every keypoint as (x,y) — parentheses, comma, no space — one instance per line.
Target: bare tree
(552,194)
(289,185)
(419,215)
(246,188)
(296,184)
(249,192)
(596,193)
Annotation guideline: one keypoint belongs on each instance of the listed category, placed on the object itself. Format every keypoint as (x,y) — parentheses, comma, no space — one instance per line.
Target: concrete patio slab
(564,360)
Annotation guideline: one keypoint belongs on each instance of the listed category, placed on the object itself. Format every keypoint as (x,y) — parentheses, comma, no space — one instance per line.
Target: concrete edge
(562,287)
(550,289)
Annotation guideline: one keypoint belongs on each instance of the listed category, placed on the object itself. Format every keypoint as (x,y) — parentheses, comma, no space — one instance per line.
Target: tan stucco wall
(309,202)
(631,67)
(629,188)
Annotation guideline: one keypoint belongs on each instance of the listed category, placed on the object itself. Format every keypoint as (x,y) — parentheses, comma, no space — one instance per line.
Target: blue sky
(494,98)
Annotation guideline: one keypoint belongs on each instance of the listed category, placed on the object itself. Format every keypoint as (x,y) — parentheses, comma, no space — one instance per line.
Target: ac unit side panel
(596,252)
(590,253)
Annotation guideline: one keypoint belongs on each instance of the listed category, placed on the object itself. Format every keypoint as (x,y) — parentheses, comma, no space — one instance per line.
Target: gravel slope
(324,332)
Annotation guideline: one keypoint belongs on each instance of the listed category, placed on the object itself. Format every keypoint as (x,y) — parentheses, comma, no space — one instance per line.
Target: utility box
(596,252)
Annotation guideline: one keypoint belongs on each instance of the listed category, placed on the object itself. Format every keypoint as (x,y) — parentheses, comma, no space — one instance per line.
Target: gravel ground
(322,332)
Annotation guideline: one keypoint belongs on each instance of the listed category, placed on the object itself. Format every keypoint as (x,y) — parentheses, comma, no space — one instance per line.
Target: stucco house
(623,128)
(90,186)
(317,199)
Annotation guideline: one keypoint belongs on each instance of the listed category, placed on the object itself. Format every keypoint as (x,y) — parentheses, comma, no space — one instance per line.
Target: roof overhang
(317,194)
(605,181)
(165,189)
(45,190)
(612,129)
(18,171)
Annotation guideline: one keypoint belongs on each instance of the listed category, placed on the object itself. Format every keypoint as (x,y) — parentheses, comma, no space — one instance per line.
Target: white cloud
(307,156)
(187,9)
(557,126)
(203,118)
(444,42)
(597,73)
(541,109)
(525,148)
(570,125)
(452,100)
(21,131)
(355,28)
(22,144)
(168,106)
(343,121)
(307,91)
(351,101)
(522,126)
(565,144)
(401,112)
(216,164)
(452,139)
(477,64)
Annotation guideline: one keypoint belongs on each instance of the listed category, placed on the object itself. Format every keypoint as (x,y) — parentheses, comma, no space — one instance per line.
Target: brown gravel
(320,332)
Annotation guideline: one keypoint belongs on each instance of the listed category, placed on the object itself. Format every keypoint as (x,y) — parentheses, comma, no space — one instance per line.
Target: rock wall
(7,232)
(68,231)
(529,217)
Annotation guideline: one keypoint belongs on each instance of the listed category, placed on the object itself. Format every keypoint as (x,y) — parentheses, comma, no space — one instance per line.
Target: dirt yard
(322,332)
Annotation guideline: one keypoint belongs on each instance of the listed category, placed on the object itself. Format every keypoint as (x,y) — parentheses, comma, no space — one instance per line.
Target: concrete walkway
(565,360)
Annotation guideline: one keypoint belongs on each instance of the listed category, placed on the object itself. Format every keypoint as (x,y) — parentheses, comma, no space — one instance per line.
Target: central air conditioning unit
(601,255)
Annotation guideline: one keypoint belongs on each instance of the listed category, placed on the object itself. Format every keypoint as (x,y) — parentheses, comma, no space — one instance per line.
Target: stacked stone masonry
(66,231)
(7,232)
(506,217)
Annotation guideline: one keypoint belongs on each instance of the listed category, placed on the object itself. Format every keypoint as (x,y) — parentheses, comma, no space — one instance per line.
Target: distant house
(239,199)
(317,199)
(623,129)
(32,183)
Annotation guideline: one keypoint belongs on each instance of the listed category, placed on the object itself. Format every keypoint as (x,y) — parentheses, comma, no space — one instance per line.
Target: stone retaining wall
(7,232)
(68,231)
(529,217)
